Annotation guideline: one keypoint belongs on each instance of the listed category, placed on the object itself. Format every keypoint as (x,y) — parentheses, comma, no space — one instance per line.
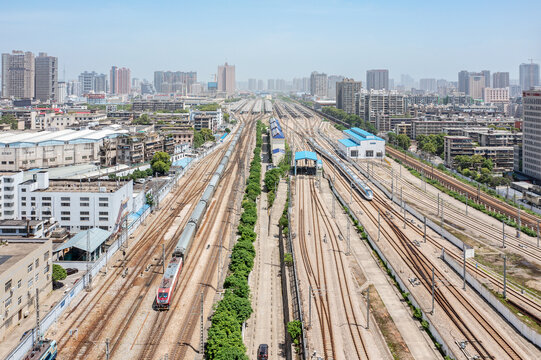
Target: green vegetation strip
(224,336)
(463,199)
(272,177)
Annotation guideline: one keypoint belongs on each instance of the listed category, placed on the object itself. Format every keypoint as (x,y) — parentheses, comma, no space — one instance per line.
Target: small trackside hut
(306,162)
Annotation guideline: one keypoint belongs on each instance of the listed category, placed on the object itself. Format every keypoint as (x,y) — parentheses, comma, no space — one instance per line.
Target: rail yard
(370,274)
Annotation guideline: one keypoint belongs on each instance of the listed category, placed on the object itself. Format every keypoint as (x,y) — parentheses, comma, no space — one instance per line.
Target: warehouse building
(30,150)
(277,141)
(361,144)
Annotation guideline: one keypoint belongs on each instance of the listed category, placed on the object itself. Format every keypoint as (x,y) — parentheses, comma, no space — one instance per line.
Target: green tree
(240,306)
(392,137)
(403,141)
(294,328)
(160,163)
(59,273)
(238,285)
(142,120)
(9,119)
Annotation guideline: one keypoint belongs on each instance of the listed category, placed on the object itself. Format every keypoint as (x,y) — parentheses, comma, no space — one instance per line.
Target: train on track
(43,350)
(165,291)
(361,186)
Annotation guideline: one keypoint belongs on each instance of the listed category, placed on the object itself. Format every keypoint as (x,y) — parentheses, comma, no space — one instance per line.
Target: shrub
(59,273)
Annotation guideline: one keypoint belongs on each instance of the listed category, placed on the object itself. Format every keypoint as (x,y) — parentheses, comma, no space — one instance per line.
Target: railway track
(136,260)
(472,193)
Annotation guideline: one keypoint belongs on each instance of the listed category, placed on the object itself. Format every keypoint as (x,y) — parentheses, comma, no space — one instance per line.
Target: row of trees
(479,169)
(159,164)
(402,140)
(224,336)
(352,119)
(431,144)
(272,177)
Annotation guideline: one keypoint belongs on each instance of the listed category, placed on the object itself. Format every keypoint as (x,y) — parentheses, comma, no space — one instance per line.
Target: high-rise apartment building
(500,80)
(486,74)
(377,80)
(345,94)
(18,75)
(428,85)
(252,84)
(496,95)
(174,81)
(406,81)
(531,143)
(280,85)
(529,76)
(464,82)
(270,84)
(46,77)
(318,84)
(226,78)
(119,81)
(375,105)
(476,85)
(332,80)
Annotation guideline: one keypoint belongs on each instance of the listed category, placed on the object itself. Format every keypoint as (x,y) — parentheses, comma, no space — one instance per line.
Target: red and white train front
(168,284)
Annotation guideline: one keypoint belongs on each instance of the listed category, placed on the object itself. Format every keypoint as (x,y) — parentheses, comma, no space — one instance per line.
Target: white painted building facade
(361,144)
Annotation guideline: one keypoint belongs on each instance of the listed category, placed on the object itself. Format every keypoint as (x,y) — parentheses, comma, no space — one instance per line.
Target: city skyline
(249,38)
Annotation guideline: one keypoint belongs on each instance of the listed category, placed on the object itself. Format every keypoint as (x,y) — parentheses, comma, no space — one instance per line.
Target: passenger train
(43,350)
(165,292)
(361,186)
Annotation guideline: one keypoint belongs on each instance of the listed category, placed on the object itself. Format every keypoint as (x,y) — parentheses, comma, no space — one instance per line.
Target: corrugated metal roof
(95,237)
(348,142)
(309,155)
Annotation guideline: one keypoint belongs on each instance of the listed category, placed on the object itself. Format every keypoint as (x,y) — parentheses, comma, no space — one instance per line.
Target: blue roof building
(361,144)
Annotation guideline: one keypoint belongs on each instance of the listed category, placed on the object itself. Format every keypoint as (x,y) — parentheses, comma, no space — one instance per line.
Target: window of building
(84,213)
(46,198)
(104,205)
(64,204)
(104,199)
(19,284)
(46,204)
(85,199)
(84,218)
(46,256)
(37,277)
(37,263)
(46,269)
(19,300)
(84,227)
(104,219)
(23,198)
(23,190)
(65,198)
(104,213)
(33,198)
(64,218)
(30,267)
(8,302)
(30,282)
(65,213)
(23,204)
(104,227)
(85,204)
(7,286)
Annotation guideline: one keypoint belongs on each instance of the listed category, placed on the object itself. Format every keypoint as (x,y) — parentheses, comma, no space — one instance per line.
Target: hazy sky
(277,39)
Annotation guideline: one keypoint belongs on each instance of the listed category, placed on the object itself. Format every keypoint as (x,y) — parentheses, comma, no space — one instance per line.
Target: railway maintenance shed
(306,161)
(361,144)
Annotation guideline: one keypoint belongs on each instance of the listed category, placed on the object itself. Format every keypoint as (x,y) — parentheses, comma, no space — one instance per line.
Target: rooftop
(361,135)
(43,138)
(93,237)
(348,142)
(16,250)
(308,155)
(103,186)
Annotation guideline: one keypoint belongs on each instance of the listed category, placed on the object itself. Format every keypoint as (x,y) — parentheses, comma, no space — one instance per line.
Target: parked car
(263,352)
(71,271)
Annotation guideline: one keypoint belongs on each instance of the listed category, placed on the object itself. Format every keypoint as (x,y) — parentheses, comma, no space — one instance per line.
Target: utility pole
(442,218)
(432,312)
(89,277)
(368,307)
(505,276)
(392,184)
(310,306)
(349,241)
(438,204)
(201,345)
(503,235)
(464,266)
(163,258)
(466,205)
(424,234)
(107,349)
(404,217)
(379,224)
(38,325)
(518,227)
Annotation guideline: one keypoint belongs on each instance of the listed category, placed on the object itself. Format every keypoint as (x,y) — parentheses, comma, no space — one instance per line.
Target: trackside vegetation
(224,336)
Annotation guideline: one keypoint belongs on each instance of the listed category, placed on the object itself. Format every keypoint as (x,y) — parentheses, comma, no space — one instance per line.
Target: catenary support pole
(424,233)
(505,277)
(464,266)
(503,235)
(379,224)
(432,312)
(518,227)
(368,307)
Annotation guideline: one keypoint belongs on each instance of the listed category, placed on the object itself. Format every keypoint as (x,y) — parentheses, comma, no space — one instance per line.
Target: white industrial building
(75,205)
(361,144)
(43,149)
(8,194)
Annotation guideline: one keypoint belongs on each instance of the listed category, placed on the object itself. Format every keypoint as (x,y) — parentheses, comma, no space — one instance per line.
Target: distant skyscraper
(486,74)
(318,84)
(270,84)
(252,84)
(62,92)
(226,78)
(260,85)
(476,86)
(332,80)
(100,83)
(463,82)
(174,81)
(500,80)
(18,75)
(428,85)
(46,77)
(531,164)
(345,94)
(280,85)
(406,81)
(377,80)
(120,81)
(529,76)
(87,81)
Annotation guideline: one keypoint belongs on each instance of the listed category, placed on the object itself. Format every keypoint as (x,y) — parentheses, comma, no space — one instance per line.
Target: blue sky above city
(277,39)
